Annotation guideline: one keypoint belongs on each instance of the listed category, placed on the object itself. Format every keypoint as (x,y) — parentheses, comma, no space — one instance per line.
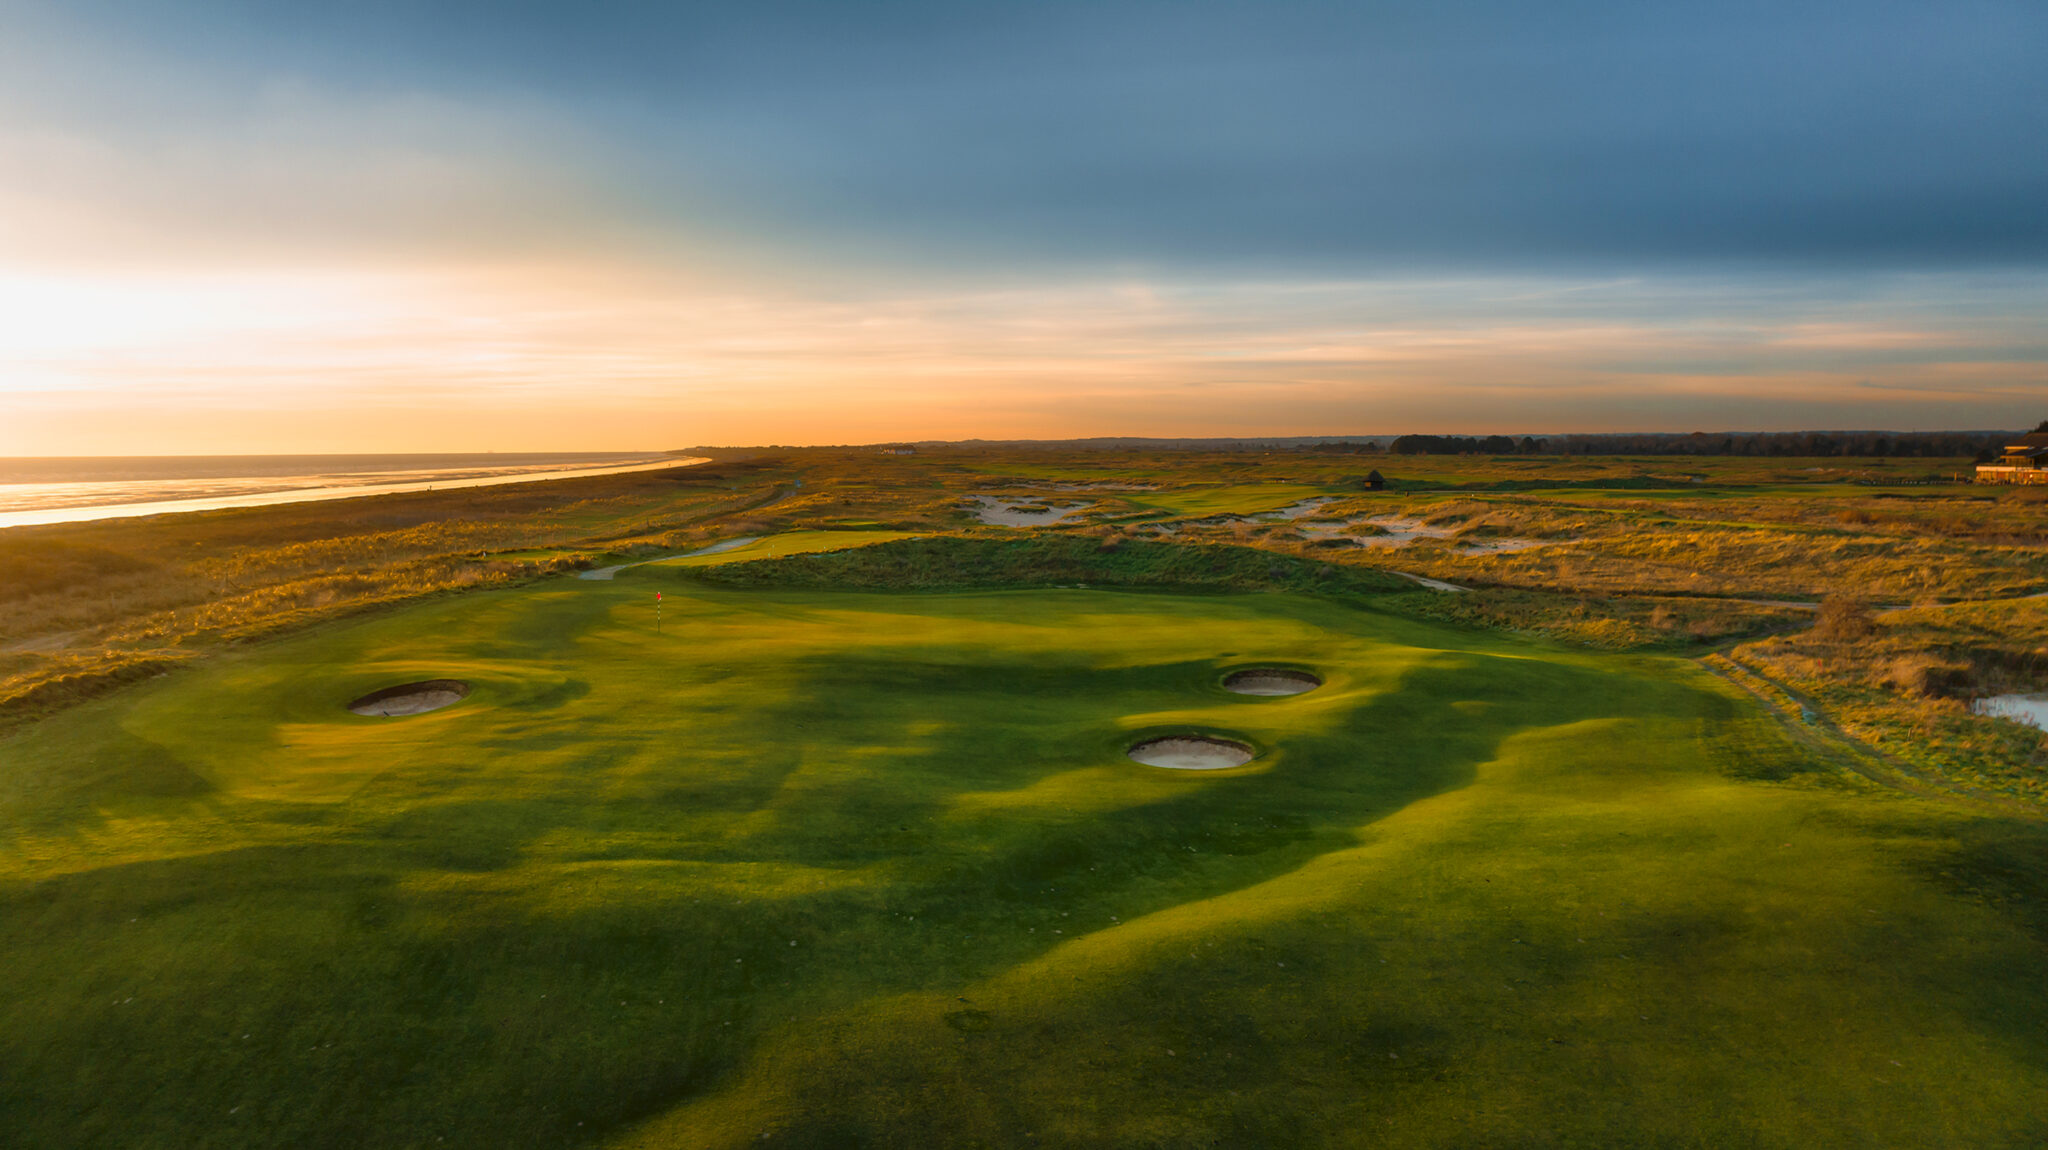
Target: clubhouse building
(2023,462)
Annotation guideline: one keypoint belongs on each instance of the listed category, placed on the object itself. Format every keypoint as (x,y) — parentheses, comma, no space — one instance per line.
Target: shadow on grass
(405,984)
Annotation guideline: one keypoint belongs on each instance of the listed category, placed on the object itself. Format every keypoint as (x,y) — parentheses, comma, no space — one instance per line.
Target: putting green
(873,870)
(1242,499)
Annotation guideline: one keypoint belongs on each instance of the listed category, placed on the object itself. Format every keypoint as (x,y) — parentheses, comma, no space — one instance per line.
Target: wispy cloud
(225,225)
(649,361)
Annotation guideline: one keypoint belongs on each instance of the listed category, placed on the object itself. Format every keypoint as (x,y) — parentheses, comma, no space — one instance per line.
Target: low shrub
(1926,675)
(1844,619)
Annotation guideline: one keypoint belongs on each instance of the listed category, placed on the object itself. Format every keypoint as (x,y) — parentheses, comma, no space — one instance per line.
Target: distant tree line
(1866,444)
(1468,445)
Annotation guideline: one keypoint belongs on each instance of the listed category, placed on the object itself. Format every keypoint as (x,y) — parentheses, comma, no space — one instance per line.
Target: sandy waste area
(1010,513)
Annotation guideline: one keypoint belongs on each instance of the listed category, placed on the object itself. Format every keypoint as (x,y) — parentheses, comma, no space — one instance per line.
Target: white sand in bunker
(1020,513)
(411,698)
(1192,753)
(1270,681)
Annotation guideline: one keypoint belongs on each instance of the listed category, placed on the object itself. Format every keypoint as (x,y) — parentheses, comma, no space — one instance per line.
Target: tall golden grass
(92,605)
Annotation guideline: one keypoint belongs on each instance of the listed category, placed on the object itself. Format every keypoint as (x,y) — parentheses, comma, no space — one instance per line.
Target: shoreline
(38,517)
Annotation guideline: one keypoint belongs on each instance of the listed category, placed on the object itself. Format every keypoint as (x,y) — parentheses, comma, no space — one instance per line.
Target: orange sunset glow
(267,242)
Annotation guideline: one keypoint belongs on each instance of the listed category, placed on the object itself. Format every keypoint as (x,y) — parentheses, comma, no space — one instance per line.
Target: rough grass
(80,602)
(1789,544)
(960,563)
(1615,623)
(870,870)
(1903,681)
(1244,499)
(787,543)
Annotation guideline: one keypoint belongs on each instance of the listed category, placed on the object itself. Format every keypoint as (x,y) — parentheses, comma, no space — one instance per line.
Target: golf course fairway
(832,869)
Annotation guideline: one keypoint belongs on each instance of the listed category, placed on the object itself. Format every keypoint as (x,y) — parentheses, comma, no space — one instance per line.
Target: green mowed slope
(787,543)
(871,869)
(1243,499)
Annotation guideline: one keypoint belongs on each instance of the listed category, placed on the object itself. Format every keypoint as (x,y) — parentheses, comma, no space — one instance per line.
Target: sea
(71,490)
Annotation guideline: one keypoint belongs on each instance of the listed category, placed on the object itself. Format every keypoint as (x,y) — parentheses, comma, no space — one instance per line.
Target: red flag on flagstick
(657,612)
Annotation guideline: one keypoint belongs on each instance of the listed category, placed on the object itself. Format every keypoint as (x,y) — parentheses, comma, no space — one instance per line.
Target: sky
(446,226)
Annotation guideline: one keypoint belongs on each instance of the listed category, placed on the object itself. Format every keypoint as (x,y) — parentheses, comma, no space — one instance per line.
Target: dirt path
(778,496)
(1432,584)
(1961,603)
(714,549)
(44,644)
(1812,728)
(1888,608)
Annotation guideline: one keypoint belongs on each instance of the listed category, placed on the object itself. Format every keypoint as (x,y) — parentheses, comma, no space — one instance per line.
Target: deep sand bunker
(411,698)
(1270,681)
(1192,753)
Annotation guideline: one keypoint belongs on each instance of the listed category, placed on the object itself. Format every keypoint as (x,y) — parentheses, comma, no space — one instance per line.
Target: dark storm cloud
(1357,136)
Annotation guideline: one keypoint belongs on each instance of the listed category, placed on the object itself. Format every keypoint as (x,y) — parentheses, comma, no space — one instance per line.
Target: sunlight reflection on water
(26,504)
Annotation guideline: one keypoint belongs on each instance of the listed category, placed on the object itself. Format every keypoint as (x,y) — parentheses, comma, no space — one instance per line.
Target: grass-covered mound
(952,563)
(873,870)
